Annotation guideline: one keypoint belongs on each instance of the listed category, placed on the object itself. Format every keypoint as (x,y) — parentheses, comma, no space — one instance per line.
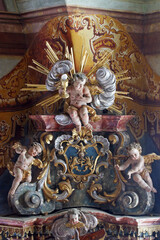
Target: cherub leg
(148,179)
(85,117)
(18,178)
(75,119)
(28,177)
(137,178)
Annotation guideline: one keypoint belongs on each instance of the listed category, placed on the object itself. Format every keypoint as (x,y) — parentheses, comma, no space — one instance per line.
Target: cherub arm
(38,163)
(19,148)
(87,95)
(124,165)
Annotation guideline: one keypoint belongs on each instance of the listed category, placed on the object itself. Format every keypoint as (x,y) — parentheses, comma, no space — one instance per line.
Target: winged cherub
(22,167)
(79,97)
(138,170)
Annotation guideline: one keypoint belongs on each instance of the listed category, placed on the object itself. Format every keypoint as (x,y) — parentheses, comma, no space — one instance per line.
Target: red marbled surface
(101,215)
(107,123)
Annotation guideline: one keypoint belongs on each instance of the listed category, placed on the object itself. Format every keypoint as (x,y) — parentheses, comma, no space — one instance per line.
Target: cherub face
(134,154)
(73,218)
(79,84)
(34,150)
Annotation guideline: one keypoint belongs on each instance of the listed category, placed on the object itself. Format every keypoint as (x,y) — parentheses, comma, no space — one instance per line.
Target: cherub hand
(116,166)
(16,145)
(24,151)
(60,91)
(129,175)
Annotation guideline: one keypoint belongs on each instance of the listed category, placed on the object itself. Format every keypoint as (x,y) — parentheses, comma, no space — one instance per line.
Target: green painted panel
(8,63)
(138,6)
(11,5)
(31,5)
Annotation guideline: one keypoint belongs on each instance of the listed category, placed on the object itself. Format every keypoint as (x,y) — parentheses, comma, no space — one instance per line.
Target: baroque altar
(73,160)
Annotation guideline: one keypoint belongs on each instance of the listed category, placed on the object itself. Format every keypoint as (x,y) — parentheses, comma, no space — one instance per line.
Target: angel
(79,97)
(22,168)
(138,170)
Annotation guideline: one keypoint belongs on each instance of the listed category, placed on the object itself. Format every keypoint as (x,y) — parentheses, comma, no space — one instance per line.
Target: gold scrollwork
(84,134)
(113,138)
(65,186)
(94,188)
(119,180)
(97,188)
(51,194)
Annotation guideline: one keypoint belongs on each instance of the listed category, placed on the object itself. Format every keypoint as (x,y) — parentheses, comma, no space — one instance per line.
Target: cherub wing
(10,167)
(150,158)
(38,163)
(94,89)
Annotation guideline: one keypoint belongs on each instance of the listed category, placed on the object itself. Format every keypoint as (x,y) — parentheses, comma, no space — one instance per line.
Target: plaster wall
(154,61)
(7,63)
(138,6)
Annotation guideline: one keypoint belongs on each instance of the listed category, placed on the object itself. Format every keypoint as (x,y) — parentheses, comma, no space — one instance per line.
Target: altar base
(110,227)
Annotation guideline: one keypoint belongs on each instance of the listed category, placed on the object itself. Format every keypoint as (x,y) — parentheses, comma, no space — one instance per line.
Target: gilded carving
(80,157)
(98,31)
(83,163)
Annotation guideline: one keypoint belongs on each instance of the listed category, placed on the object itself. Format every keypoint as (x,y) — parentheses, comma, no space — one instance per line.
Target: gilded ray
(120,92)
(51,99)
(121,73)
(84,60)
(113,107)
(33,89)
(122,97)
(36,85)
(52,51)
(81,58)
(38,70)
(100,62)
(72,57)
(67,55)
(40,66)
(123,78)
(50,56)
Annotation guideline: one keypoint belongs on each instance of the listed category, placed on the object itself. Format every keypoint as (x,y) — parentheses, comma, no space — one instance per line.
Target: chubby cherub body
(138,170)
(22,167)
(79,97)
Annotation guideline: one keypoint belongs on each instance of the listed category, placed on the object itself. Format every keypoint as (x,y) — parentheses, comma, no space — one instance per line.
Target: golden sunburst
(69,54)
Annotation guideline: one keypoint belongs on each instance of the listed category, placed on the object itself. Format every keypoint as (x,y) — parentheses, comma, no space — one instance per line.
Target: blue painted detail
(82,165)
